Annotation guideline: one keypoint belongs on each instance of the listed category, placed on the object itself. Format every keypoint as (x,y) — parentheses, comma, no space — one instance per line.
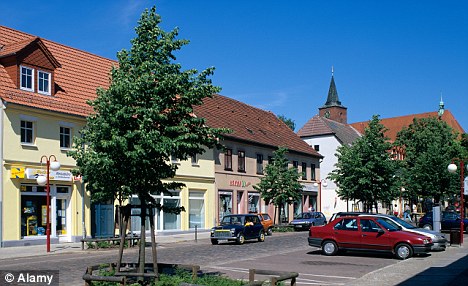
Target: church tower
(333,109)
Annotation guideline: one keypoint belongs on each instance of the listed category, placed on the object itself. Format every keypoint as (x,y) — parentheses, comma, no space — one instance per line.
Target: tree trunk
(153,245)
(274,217)
(123,215)
(141,256)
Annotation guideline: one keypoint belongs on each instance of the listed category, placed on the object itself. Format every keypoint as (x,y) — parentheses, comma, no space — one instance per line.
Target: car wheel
(240,238)
(329,247)
(403,251)
(269,231)
(261,236)
(427,226)
(214,241)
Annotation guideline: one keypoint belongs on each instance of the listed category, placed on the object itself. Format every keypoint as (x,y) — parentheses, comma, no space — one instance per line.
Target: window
(259,164)
(296,165)
(270,160)
(312,172)
(304,170)
(317,147)
(27,132)
(194,160)
(174,159)
(228,160)
(347,224)
(241,161)
(65,137)
(43,82)
(196,209)
(27,79)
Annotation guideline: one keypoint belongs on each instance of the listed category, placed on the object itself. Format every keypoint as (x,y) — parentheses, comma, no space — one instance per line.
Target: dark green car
(238,228)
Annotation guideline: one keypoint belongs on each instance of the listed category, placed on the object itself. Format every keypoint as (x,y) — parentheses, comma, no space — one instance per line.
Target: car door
(450,220)
(373,237)
(346,233)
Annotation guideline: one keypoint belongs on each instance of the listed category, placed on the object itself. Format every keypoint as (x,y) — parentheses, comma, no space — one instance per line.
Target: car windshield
(402,222)
(388,224)
(303,215)
(232,220)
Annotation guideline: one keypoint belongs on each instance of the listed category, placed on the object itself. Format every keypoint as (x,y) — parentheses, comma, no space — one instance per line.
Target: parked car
(267,223)
(438,239)
(449,220)
(307,219)
(367,233)
(238,227)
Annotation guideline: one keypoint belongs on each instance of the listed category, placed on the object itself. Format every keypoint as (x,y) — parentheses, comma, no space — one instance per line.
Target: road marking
(301,279)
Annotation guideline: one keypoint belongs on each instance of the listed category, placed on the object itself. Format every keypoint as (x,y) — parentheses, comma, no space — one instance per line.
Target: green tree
(429,145)
(365,170)
(280,185)
(144,117)
(288,121)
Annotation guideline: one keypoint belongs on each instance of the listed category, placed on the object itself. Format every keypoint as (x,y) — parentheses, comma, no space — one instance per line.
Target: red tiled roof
(250,124)
(319,125)
(77,79)
(395,124)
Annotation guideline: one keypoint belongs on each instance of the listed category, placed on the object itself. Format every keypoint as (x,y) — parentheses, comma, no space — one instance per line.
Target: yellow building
(44,87)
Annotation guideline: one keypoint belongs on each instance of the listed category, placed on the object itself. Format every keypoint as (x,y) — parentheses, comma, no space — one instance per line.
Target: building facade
(255,135)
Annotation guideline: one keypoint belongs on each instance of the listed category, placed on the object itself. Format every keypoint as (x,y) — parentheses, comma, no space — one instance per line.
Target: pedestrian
(395,210)
(407,213)
(311,209)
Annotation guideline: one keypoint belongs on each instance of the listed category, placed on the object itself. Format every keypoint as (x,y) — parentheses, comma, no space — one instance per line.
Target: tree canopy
(144,117)
(429,145)
(364,171)
(288,121)
(280,184)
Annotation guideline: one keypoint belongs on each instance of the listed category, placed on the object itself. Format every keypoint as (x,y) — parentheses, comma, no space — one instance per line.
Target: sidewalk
(67,247)
(449,267)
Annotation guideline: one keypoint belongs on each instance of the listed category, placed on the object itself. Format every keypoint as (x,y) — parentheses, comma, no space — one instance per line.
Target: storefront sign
(239,183)
(309,188)
(32,173)
(17,173)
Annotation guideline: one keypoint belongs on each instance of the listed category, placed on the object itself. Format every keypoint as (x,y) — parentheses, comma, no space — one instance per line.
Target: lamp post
(452,168)
(319,184)
(44,180)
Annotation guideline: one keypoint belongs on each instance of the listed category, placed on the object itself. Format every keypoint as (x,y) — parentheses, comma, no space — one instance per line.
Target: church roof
(318,125)
(395,124)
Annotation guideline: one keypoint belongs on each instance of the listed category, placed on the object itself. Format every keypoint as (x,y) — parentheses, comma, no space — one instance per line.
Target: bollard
(196,233)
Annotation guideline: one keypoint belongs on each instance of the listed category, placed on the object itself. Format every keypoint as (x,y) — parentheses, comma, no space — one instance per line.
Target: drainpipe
(3,107)
(83,193)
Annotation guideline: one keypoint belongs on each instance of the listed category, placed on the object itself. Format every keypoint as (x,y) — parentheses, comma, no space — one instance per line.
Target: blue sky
(390,58)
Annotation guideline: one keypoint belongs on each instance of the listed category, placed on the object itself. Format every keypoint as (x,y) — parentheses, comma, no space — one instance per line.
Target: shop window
(196,209)
(225,204)
(241,161)
(254,202)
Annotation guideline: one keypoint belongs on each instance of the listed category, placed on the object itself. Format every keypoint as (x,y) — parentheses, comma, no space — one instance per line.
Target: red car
(366,233)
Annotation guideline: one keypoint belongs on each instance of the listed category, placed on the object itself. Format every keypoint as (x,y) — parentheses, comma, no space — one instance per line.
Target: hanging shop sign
(17,173)
(32,173)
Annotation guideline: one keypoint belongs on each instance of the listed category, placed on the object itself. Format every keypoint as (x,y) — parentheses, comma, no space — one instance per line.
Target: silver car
(439,240)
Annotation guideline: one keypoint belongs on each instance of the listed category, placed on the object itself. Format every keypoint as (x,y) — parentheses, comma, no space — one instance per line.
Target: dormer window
(27,78)
(43,82)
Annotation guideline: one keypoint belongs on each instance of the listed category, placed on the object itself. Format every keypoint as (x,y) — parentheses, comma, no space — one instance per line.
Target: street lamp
(452,168)
(44,180)
(319,184)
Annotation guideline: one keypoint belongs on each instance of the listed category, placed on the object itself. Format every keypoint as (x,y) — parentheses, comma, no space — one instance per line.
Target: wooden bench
(133,240)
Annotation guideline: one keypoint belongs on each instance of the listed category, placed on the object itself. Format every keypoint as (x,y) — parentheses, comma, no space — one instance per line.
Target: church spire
(332,99)
(441,106)
(333,109)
